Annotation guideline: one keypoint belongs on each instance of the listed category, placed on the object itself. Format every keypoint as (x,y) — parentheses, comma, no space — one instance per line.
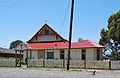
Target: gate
(18,57)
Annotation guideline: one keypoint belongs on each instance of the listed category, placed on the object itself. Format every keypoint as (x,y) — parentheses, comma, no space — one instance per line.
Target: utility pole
(70,34)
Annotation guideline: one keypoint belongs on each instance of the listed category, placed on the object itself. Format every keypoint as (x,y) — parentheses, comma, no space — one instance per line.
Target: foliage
(15,43)
(80,40)
(110,37)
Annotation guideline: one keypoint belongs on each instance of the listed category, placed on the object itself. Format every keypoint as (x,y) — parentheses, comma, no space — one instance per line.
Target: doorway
(62,54)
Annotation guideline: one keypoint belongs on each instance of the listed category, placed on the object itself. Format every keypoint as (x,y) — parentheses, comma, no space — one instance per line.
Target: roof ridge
(95,43)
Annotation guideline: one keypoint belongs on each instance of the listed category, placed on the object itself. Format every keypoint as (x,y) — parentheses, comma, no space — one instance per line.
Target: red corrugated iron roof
(64,45)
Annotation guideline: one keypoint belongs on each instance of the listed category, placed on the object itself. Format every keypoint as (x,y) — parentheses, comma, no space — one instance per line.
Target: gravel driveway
(42,73)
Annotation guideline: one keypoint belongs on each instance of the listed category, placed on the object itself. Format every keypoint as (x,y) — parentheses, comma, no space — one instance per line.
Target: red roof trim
(64,45)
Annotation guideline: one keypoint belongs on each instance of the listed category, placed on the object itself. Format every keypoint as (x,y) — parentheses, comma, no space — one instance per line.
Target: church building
(48,44)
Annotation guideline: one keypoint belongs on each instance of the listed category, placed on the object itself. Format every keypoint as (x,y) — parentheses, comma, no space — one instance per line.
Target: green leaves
(14,44)
(110,37)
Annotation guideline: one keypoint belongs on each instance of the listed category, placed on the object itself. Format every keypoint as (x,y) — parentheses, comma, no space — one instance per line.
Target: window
(62,54)
(83,54)
(98,54)
(36,38)
(50,55)
(46,31)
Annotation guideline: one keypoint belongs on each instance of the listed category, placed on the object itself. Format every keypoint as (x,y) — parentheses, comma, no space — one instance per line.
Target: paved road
(40,73)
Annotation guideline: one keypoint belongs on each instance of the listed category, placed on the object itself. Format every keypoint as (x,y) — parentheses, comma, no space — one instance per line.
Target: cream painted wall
(90,54)
(34,54)
(24,56)
(75,54)
(65,53)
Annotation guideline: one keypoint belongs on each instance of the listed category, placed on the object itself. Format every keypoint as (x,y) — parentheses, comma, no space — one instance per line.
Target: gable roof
(46,25)
(64,45)
(5,50)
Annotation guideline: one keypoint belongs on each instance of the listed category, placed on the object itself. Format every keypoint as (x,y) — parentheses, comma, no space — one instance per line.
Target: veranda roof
(64,45)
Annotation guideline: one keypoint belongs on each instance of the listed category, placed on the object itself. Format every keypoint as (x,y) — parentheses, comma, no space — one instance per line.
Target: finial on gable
(46,21)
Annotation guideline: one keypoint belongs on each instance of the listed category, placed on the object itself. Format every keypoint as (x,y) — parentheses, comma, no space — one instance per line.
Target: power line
(65,16)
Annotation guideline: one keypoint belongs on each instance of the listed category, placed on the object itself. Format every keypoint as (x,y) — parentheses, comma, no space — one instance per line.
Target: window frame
(62,54)
(83,54)
(50,55)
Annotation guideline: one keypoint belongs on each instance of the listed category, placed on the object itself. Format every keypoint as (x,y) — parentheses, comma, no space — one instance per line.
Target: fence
(7,62)
(76,64)
(62,63)
(115,64)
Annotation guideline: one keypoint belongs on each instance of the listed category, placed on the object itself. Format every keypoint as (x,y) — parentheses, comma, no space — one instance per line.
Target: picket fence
(90,64)
(7,62)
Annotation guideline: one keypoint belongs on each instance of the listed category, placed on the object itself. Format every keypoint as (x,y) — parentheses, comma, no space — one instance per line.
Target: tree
(15,43)
(80,40)
(110,37)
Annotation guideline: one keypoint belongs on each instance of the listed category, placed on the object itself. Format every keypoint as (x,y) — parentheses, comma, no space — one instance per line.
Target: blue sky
(21,19)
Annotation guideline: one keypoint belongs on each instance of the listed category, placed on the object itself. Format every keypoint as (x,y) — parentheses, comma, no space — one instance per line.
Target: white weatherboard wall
(56,53)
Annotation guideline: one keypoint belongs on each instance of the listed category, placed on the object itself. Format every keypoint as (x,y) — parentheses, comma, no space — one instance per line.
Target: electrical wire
(65,17)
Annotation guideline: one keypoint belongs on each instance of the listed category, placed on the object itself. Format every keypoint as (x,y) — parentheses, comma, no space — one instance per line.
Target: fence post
(110,65)
(43,62)
(85,64)
(63,63)
(20,57)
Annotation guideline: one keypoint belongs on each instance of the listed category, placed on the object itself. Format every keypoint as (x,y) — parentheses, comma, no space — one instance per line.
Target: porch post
(26,59)
(20,57)
(16,58)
